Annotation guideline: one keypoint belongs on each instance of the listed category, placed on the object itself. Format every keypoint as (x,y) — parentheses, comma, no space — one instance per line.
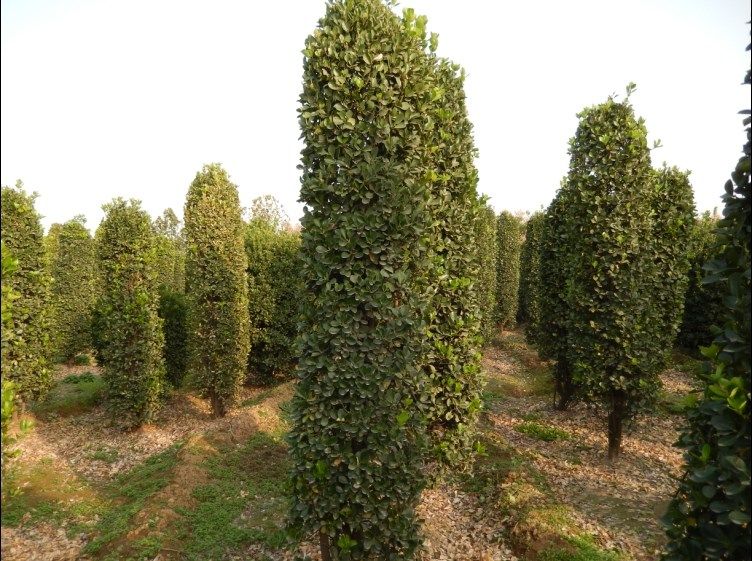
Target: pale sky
(105,98)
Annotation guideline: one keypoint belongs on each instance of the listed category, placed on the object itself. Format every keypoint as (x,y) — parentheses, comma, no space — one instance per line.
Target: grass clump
(77,393)
(579,548)
(542,432)
(82,360)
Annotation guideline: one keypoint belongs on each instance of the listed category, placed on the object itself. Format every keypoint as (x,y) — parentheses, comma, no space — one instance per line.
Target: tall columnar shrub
(530,265)
(612,255)
(453,360)
(51,239)
(73,290)
(703,304)
(27,355)
(509,234)
(673,219)
(274,292)
(709,517)
(170,252)
(550,336)
(216,287)
(486,243)
(173,310)
(131,329)
(357,432)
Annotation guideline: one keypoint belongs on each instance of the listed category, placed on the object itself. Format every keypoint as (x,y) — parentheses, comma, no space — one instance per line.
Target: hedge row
(530,268)
(509,234)
(486,243)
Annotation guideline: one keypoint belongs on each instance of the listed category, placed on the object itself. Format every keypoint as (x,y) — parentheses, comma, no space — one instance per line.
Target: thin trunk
(324,545)
(615,420)
(218,407)
(563,386)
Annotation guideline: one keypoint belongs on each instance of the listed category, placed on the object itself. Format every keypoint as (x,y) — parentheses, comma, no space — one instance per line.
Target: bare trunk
(218,406)
(615,420)
(324,545)
(563,386)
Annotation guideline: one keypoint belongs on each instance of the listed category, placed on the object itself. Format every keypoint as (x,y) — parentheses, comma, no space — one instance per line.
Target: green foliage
(173,309)
(357,430)
(73,395)
(170,252)
(274,292)
(542,432)
(486,243)
(216,287)
(612,253)
(673,221)
(51,245)
(452,362)
(73,290)
(131,330)
(26,345)
(509,244)
(703,305)
(709,517)
(530,265)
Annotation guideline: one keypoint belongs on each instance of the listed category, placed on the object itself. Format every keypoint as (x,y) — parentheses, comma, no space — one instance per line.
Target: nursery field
(189,486)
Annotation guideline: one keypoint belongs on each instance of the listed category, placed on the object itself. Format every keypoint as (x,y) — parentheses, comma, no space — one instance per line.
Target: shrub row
(530,266)
(509,234)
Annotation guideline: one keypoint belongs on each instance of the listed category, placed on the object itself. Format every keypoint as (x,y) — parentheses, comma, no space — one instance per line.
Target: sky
(106,98)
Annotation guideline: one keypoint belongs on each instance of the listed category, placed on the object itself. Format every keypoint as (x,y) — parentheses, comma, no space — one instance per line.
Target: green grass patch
(546,433)
(82,360)
(104,454)
(579,548)
(74,394)
(678,404)
(243,502)
(128,495)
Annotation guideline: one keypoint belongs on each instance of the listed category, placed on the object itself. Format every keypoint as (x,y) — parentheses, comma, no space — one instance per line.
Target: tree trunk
(563,386)
(615,419)
(324,545)
(218,406)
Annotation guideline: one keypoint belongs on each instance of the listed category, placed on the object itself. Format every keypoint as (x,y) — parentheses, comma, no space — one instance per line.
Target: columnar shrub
(26,360)
(709,517)
(673,219)
(486,243)
(170,252)
(173,310)
(274,292)
(51,239)
(703,304)
(216,287)
(73,290)
(509,234)
(530,265)
(453,360)
(550,337)
(612,257)
(357,432)
(131,330)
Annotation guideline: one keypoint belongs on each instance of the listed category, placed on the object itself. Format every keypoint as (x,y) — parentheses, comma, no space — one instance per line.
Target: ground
(196,488)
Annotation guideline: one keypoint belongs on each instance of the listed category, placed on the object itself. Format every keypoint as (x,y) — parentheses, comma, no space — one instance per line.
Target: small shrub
(82,360)
(542,432)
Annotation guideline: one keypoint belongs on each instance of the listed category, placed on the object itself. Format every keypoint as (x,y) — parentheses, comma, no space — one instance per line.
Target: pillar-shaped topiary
(509,244)
(216,287)
(73,290)
(530,264)
(485,239)
(131,329)
(709,517)
(170,252)
(26,359)
(612,259)
(357,431)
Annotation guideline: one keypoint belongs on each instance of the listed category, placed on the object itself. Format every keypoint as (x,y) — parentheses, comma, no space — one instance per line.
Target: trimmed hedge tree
(611,254)
(703,304)
(357,436)
(509,235)
(486,242)
(274,292)
(216,287)
(170,252)
(27,355)
(173,310)
(131,330)
(530,266)
(73,290)
(709,517)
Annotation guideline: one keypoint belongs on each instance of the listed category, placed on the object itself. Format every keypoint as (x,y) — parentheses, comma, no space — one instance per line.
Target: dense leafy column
(170,252)
(73,290)
(131,330)
(509,233)
(551,335)
(703,304)
(486,243)
(216,287)
(709,517)
(673,220)
(274,292)
(612,258)
(530,265)
(51,240)
(26,360)
(356,439)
